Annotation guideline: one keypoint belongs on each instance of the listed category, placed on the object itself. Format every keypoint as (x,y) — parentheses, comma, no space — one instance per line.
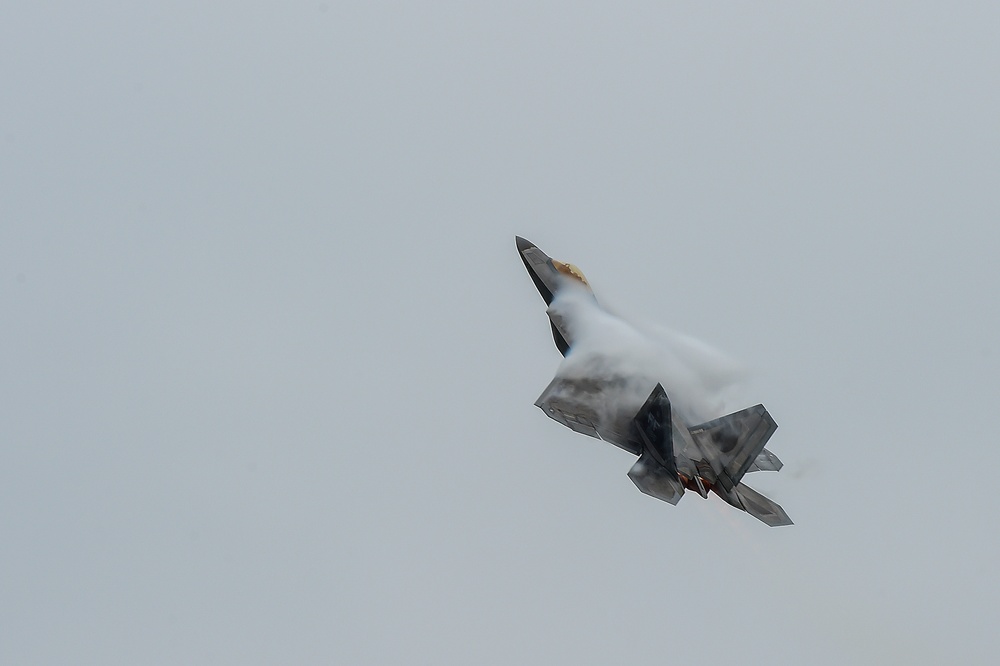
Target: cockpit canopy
(571,271)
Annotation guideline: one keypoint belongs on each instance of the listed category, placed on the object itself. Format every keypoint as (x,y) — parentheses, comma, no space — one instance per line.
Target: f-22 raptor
(673,456)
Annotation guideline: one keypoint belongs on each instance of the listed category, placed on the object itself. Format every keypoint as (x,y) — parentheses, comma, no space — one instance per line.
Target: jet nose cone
(523,244)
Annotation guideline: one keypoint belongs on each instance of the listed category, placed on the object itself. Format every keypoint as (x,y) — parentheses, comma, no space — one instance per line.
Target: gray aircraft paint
(606,392)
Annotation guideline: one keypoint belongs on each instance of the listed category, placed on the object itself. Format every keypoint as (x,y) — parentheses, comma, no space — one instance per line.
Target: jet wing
(558,403)
(732,443)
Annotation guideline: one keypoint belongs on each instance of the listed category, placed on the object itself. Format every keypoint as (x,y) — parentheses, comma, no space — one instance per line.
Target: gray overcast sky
(269,356)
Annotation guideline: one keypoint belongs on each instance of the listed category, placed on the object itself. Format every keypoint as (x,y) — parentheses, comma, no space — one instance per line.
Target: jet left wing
(559,403)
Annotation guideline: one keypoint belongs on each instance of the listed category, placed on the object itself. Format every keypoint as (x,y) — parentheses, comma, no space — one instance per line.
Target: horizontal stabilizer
(765,462)
(747,499)
(655,480)
(762,508)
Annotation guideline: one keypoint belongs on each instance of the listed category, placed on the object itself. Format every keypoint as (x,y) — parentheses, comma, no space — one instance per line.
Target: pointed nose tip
(523,244)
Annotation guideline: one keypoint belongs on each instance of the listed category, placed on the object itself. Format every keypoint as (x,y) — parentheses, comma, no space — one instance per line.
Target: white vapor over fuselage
(652,392)
(629,361)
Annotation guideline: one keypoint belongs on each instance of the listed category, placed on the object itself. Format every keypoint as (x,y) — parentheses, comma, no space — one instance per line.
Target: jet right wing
(734,445)
(731,444)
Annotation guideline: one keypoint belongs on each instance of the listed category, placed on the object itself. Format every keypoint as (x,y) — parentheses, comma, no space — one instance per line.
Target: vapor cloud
(697,377)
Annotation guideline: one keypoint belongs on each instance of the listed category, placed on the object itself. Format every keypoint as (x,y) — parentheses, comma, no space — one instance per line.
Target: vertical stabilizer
(653,428)
(655,473)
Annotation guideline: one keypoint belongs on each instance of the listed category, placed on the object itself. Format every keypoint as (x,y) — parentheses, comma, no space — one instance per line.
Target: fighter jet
(673,456)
